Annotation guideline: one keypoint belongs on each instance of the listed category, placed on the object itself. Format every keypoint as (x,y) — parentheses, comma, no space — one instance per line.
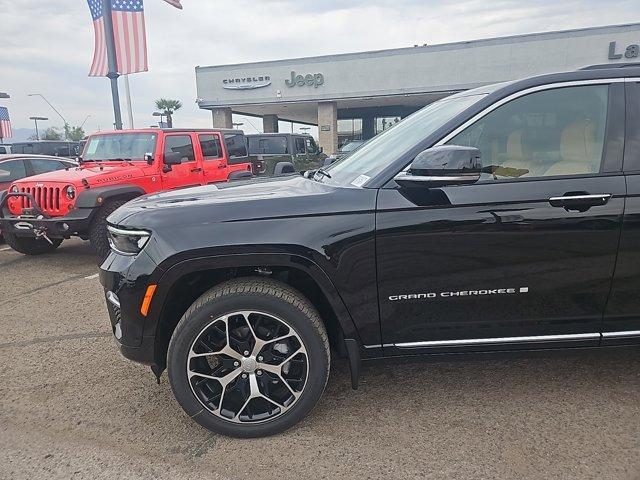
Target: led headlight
(71,192)
(127,242)
(15,189)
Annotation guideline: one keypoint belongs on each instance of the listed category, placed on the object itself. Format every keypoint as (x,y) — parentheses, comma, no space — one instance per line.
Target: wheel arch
(184,282)
(96,197)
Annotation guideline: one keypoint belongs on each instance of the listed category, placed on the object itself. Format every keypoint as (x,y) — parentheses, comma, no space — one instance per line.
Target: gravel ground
(71,407)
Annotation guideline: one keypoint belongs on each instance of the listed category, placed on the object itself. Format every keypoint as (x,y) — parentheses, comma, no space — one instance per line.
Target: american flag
(5,123)
(129,37)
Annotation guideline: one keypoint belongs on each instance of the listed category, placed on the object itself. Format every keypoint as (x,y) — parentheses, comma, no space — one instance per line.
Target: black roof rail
(611,65)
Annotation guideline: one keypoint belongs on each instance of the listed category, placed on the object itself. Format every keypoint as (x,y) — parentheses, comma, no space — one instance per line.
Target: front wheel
(98,236)
(249,358)
(31,246)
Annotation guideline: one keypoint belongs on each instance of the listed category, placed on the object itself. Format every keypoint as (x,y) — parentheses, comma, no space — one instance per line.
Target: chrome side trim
(434,178)
(595,196)
(621,334)
(501,340)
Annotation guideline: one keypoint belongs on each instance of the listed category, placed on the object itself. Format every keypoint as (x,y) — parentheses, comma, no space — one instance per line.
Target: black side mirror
(443,165)
(170,159)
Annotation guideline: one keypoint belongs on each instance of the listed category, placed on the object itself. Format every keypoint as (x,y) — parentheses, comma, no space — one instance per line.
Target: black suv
(501,218)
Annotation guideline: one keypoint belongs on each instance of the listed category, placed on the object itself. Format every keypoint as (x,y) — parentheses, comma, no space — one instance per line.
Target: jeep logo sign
(311,80)
(631,51)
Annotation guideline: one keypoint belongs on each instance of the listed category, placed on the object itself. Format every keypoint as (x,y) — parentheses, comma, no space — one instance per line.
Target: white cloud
(47,46)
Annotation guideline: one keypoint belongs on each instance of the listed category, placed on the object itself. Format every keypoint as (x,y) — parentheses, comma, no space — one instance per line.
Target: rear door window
(236,146)
(12,170)
(40,165)
(300,145)
(210,145)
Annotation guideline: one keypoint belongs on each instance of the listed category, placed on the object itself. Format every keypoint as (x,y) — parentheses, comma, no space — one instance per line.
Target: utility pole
(111,57)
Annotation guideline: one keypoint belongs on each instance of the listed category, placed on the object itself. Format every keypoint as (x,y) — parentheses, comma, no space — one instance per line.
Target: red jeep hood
(95,173)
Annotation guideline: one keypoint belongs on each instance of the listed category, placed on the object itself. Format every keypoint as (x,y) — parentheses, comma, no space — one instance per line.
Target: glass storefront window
(382,123)
(349,129)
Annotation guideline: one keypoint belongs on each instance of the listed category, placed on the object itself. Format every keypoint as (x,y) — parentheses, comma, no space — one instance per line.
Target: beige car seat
(577,150)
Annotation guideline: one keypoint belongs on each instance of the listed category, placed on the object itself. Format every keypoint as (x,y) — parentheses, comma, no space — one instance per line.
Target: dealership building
(357,95)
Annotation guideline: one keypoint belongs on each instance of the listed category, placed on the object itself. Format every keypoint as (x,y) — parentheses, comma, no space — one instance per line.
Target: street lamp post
(35,119)
(54,109)
(161,115)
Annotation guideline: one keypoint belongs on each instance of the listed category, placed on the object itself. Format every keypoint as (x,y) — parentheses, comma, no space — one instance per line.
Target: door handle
(195,170)
(222,165)
(580,202)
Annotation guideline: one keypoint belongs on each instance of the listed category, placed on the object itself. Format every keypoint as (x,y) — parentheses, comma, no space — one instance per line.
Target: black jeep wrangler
(501,218)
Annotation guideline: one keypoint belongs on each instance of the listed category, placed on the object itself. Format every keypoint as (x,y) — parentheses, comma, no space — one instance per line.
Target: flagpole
(127,95)
(111,57)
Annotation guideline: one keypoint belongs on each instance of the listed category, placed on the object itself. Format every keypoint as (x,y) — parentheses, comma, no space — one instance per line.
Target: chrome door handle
(580,201)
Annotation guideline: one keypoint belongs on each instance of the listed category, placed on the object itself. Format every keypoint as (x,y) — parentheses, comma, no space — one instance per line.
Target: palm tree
(168,107)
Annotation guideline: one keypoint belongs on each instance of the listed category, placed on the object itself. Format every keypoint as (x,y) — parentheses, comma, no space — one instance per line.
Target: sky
(47,46)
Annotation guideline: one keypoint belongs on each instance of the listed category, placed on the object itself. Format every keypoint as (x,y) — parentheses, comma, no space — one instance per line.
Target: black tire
(31,246)
(257,294)
(98,236)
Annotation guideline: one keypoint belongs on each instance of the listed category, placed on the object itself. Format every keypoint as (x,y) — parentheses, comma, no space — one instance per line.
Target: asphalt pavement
(72,407)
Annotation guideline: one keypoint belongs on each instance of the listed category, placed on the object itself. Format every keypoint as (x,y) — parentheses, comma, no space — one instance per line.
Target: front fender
(173,273)
(94,197)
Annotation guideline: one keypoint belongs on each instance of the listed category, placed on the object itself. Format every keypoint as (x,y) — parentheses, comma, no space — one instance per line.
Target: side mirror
(443,165)
(148,157)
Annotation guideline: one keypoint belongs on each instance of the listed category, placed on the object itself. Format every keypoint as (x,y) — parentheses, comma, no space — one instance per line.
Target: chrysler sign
(246,83)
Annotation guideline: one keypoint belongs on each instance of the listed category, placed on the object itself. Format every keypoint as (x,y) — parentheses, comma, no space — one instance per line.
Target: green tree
(168,107)
(74,133)
(51,133)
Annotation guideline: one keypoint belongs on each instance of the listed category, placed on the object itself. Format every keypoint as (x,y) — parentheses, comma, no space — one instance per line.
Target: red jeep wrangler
(38,212)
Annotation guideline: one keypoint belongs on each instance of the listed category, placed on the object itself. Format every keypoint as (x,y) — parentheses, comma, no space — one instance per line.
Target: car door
(189,172)
(621,323)
(214,165)
(11,170)
(527,253)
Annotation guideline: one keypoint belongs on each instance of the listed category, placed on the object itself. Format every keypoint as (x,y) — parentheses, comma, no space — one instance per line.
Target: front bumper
(125,280)
(36,222)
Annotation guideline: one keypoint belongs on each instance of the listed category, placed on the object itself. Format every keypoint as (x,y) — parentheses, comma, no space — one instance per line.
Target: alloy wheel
(247,367)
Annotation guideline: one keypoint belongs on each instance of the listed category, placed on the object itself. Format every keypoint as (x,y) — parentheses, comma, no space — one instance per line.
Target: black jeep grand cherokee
(507,217)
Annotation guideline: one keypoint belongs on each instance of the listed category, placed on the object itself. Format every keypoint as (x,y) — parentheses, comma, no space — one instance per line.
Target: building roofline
(434,48)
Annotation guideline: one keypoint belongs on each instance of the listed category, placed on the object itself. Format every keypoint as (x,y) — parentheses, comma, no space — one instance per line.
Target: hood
(97,174)
(243,201)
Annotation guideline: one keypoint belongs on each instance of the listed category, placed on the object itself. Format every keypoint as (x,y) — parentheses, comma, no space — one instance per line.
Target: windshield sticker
(361,180)
(92,147)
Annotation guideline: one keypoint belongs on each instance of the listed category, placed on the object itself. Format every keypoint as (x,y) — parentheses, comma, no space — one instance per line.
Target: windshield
(121,146)
(373,156)
(349,147)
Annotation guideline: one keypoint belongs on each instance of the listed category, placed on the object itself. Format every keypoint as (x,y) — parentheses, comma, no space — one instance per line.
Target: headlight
(15,189)
(127,242)
(71,192)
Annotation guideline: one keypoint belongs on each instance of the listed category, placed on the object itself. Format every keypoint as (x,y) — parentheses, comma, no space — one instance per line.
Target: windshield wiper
(323,172)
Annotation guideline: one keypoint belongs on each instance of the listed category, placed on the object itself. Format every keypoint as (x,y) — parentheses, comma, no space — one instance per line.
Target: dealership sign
(630,51)
(246,83)
(310,80)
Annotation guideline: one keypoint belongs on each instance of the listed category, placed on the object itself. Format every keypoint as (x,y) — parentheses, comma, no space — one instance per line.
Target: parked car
(346,149)
(5,149)
(116,166)
(15,167)
(56,148)
(501,218)
(278,153)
